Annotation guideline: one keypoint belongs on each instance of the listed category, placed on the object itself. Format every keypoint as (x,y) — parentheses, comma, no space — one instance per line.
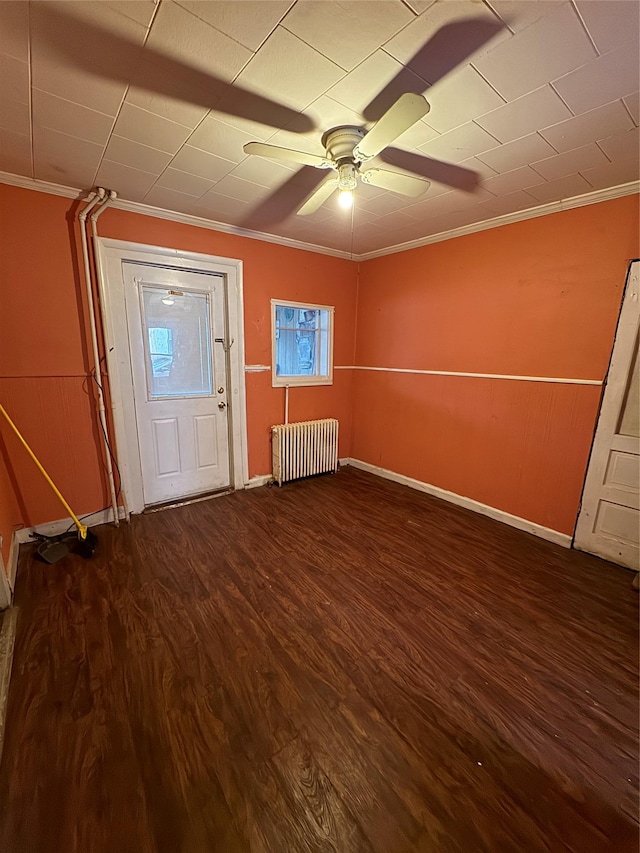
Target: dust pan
(54,548)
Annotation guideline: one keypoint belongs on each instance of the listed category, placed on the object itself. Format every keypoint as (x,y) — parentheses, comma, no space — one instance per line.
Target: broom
(54,548)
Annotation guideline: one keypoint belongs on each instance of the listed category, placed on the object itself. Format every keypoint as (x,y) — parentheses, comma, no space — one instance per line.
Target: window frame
(284,381)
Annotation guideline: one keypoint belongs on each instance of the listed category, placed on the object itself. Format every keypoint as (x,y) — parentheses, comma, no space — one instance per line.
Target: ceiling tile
(611,23)
(201,163)
(267,173)
(602,80)
(15,116)
(561,188)
(222,205)
(622,146)
(14,79)
(15,153)
(135,155)
(420,6)
(510,182)
(478,166)
(329,27)
(238,188)
(587,157)
(179,34)
(509,203)
(359,87)
(384,203)
(547,49)
(518,16)
(190,115)
(218,138)
(465,141)
(613,174)
(150,129)
(14,29)
(131,184)
(170,199)
(632,103)
(395,219)
(289,71)
(65,159)
(525,115)
(440,205)
(595,124)
(403,46)
(140,11)
(520,152)
(247,22)
(81,16)
(458,98)
(62,115)
(184,183)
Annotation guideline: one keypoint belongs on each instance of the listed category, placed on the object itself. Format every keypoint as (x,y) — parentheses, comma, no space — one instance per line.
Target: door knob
(222,404)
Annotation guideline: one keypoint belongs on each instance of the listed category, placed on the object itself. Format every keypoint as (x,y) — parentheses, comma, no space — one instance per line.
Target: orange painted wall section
(535,298)
(44,380)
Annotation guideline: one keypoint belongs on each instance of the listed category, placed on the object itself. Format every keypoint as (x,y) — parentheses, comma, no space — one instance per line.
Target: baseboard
(54,528)
(343,462)
(468,503)
(7,641)
(258,480)
(14,553)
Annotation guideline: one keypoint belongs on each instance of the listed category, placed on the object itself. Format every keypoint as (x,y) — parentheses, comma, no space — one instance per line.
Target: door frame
(613,392)
(110,256)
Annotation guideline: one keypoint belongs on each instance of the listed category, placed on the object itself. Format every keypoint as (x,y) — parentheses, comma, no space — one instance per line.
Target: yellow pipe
(82,530)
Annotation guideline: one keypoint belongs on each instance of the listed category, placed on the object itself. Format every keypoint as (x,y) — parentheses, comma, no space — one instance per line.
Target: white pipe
(101,198)
(286,404)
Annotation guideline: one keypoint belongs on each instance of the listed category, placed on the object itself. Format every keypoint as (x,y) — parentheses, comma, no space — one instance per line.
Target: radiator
(303,449)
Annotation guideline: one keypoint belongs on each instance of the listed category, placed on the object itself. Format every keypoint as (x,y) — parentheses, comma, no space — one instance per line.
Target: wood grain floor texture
(341,665)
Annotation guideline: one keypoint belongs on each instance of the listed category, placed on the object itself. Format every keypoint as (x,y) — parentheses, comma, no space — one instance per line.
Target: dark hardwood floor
(340,665)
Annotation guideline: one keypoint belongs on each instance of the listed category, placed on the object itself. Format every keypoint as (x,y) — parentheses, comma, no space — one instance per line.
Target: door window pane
(177,343)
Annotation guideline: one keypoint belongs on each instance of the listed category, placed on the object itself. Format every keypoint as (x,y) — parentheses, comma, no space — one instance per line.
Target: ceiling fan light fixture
(345,199)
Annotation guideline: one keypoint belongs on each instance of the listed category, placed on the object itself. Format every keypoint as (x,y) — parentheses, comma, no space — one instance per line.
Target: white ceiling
(547,110)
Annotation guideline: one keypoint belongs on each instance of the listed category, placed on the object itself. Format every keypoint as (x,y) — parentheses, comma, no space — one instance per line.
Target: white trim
(594,197)
(14,553)
(556,379)
(258,480)
(5,586)
(110,256)
(55,528)
(468,503)
(172,215)
(256,368)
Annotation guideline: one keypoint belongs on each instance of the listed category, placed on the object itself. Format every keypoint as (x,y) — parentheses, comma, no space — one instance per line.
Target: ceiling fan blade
(450,174)
(319,197)
(451,45)
(394,181)
(283,201)
(98,51)
(407,110)
(274,152)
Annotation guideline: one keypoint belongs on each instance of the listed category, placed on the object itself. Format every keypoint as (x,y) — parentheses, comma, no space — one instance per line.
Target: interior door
(609,521)
(176,324)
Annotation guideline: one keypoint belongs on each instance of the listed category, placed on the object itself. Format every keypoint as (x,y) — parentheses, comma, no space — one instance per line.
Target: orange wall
(535,298)
(43,367)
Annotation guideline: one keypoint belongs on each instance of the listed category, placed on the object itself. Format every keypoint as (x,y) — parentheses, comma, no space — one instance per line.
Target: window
(302,343)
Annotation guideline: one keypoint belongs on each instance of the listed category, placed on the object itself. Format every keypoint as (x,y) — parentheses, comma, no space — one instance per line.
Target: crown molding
(507,219)
(172,215)
(594,197)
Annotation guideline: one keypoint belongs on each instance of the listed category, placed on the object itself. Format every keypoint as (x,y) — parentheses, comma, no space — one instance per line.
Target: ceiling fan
(349,148)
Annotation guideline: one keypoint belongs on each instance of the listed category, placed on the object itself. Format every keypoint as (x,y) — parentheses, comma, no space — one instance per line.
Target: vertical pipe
(286,404)
(98,198)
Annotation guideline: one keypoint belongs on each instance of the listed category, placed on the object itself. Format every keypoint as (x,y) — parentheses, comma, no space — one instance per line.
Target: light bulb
(167,300)
(345,199)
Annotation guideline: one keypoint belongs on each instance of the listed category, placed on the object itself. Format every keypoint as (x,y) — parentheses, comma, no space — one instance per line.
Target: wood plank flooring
(340,665)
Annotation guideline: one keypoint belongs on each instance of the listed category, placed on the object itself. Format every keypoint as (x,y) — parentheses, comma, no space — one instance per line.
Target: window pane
(300,348)
(178,348)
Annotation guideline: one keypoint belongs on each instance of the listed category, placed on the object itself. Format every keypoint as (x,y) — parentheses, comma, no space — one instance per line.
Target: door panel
(179,377)
(609,521)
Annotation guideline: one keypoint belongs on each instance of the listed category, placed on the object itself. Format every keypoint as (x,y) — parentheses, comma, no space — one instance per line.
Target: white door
(609,521)
(176,324)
